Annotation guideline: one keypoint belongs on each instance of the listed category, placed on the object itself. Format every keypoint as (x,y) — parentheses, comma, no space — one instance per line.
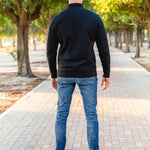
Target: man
(76,29)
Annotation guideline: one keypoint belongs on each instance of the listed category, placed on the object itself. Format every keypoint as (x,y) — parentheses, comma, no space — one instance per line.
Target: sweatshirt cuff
(106,76)
(54,75)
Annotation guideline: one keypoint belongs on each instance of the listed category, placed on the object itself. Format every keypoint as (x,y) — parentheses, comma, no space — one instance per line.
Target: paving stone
(139,144)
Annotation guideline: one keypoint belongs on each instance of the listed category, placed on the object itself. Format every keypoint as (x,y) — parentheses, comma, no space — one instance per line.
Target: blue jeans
(88,90)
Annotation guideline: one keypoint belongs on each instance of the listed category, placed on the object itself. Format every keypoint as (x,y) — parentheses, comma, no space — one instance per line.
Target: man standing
(76,29)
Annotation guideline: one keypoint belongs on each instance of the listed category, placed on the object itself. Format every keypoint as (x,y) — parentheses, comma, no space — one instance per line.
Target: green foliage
(35,28)
(7,27)
(48,11)
(27,5)
(89,5)
(120,13)
(13,53)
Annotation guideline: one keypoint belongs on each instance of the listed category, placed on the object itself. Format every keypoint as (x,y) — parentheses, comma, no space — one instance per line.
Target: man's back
(76,29)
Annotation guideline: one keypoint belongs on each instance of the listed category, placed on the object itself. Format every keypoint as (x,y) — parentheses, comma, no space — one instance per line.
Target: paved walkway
(123,109)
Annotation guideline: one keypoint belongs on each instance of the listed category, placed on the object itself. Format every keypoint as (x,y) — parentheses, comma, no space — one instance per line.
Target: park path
(123,112)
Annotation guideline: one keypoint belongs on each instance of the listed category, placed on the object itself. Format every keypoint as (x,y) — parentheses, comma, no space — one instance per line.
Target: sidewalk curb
(24,97)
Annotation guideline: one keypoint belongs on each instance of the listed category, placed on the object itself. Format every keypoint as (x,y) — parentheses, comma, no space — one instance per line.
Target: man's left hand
(54,83)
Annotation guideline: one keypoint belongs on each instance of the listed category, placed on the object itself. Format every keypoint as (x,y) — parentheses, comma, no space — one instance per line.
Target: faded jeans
(88,90)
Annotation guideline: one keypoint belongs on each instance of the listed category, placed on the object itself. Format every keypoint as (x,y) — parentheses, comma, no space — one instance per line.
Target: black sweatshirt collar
(75,5)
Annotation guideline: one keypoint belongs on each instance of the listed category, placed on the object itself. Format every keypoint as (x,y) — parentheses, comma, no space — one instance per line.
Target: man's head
(75,1)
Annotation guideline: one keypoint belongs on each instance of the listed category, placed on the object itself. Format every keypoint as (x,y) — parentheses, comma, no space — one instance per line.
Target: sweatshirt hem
(77,74)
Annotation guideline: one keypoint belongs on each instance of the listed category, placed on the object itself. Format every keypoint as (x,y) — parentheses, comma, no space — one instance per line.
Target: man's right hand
(54,83)
(106,82)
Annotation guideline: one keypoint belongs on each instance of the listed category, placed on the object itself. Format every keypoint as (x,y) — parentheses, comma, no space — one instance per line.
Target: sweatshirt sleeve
(103,48)
(52,45)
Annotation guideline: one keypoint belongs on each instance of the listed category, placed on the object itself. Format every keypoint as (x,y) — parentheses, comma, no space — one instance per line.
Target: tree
(34,29)
(144,13)
(22,13)
(136,12)
(113,19)
(132,8)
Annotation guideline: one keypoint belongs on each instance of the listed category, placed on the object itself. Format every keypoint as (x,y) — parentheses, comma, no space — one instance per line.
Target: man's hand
(54,83)
(106,81)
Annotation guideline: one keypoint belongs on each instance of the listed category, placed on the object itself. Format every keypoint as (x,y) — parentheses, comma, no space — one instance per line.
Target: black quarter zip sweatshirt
(76,29)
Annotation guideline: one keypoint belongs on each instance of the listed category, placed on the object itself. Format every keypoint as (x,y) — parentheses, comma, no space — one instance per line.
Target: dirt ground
(12,87)
(143,61)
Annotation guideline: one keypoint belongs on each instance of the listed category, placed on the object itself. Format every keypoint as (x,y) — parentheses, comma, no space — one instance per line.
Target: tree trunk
(149,34)
(120,39)
(137,54)
(124,36)
(141,36)
(109,36)
(127,41)
(34,42)
(116,40)
(45,31)
(22,51)
(1,45)
(131,37)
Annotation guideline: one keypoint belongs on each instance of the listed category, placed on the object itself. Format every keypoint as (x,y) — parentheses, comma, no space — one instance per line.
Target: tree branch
(36,14)
(18,5)
(11,14)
